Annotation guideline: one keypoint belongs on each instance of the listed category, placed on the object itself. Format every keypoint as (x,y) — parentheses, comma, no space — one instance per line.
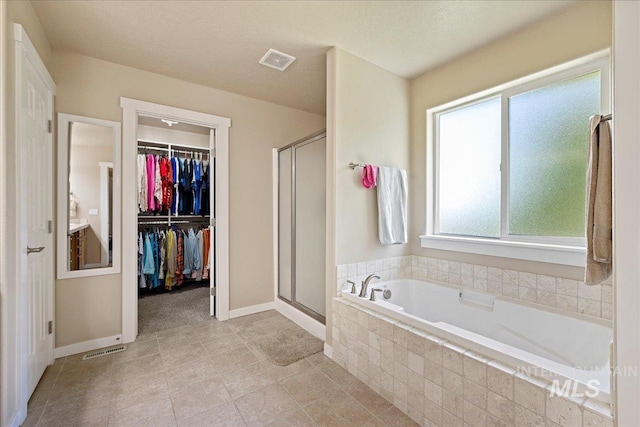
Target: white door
(212,227)
(36,209)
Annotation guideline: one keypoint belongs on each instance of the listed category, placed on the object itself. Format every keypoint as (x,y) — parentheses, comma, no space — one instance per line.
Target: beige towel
(599,207)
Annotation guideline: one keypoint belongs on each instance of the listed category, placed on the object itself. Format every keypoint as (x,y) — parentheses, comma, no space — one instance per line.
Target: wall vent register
(106,352)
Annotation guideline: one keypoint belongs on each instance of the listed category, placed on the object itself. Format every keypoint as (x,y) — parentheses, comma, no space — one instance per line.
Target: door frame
(131,109)
(13,307)
(104,211)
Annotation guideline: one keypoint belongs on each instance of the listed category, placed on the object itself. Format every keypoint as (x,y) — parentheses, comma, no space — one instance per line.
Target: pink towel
(369,176)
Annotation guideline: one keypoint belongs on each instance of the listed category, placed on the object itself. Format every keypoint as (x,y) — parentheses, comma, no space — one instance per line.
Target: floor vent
(106,352)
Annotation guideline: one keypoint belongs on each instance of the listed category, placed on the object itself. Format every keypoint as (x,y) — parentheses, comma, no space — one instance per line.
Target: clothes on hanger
(173,185)
(171,256)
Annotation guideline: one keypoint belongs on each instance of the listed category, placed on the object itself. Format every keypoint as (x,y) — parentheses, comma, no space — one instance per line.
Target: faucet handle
(353,286)
(373,293)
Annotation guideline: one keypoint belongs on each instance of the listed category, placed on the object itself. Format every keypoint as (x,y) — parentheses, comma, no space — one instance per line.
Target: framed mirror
(88,197)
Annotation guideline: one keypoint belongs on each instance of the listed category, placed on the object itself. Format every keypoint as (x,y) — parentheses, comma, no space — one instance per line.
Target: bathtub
(540,342)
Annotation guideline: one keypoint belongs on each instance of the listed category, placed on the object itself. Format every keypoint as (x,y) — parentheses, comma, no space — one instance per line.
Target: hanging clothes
(151,183)
(142,183)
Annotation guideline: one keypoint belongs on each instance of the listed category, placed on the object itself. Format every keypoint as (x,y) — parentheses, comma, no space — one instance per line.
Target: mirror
(88,195)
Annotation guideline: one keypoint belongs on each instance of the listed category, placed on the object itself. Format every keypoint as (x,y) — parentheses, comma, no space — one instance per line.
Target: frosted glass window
(548,150)
(469,170)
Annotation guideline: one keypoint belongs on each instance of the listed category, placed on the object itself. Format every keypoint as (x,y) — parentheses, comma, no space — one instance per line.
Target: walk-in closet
(176,211)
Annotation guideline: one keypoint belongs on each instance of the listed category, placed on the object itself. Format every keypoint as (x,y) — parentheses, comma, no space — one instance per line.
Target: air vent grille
(278,60)
(105,352)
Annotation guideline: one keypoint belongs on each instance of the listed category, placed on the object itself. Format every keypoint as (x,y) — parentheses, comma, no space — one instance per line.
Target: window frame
(557,250)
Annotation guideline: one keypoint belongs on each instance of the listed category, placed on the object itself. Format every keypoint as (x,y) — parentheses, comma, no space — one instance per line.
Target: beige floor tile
(63,392)
(175,356)
(155,413)
(96,376)
(309,386)
(339,375)
(41,394)
(137,349)
(297,418)
(221,343)
(265,405)
(146,337)
(374,422)
(317,358)
(129,392)
(241,380)
(368,398)
(226,415)
(174,331)
(211,328)
(394,417)
(282,372)
(198,398)
(136,367)
(338,409)
(51,373)
(76,411)
(33,416)
(177,340)
(228,359)
(194,371)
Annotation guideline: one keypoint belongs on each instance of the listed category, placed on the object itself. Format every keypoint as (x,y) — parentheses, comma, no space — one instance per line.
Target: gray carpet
(279,339)
(172,309)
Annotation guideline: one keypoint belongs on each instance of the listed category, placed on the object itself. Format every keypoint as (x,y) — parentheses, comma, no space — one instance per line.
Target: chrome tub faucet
(365,284)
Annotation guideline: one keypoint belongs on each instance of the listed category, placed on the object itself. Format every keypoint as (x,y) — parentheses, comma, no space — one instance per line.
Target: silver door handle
(34,250)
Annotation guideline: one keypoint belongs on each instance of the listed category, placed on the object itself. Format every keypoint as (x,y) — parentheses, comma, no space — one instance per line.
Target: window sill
(554,254)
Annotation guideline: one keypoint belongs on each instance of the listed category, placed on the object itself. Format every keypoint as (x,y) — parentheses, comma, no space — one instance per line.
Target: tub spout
(365,284)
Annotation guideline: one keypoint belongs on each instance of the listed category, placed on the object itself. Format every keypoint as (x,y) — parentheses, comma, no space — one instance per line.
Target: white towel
(599,204)
(392,206)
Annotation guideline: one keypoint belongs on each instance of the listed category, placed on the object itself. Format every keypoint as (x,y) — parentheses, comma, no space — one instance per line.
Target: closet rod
(188,147)
(173,222)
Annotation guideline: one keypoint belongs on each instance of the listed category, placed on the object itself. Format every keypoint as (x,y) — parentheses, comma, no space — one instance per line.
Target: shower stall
(301,224)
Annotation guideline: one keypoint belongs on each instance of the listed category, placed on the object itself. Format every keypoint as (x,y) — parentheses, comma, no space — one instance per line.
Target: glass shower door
(301,225)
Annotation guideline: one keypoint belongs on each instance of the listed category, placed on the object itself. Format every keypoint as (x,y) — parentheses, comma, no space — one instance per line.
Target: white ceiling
(219,43)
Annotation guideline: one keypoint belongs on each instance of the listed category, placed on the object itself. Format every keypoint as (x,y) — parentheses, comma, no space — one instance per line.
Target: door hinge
(213,222)
(213,292)
(49,226)
(50,126)
(50,326)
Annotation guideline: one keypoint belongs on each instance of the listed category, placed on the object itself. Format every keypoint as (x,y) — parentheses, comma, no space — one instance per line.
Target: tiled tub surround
(566,295)
(437,382)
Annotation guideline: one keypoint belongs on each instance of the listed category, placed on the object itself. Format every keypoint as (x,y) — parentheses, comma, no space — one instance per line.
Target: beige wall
(367,122)
(91,308)
(581,29)
(371,126)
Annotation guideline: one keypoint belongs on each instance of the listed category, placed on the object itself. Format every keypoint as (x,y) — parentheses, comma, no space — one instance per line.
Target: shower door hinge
(50,326)
(49,126)
(213,222)
(213,292)
(49,226)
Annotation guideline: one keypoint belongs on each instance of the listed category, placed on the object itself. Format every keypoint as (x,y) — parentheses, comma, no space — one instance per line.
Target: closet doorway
(175,271)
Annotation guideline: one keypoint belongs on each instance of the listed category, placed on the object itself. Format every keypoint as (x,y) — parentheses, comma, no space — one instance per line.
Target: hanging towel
(392,206)
(369,176)
(599,191)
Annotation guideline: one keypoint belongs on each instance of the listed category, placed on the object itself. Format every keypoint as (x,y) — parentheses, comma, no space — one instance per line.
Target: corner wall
(367,122)
(577,31)
(91,308)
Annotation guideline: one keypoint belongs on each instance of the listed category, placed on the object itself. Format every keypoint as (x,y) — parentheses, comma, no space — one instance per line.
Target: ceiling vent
(278,60)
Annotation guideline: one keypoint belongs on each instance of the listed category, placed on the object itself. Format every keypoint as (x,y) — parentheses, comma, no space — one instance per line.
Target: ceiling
(219,43)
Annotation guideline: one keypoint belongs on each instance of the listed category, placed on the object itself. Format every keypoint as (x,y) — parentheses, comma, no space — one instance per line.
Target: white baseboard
(82,347)
(328,351)
(15,420)
(307,323)
(252,309)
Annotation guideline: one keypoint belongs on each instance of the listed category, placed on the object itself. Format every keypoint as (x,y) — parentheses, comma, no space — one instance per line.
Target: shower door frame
(299,143)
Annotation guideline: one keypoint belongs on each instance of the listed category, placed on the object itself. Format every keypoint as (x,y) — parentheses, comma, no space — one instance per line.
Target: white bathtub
(542,342)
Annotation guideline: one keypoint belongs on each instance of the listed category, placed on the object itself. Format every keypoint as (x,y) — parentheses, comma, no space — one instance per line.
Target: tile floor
(204,375)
